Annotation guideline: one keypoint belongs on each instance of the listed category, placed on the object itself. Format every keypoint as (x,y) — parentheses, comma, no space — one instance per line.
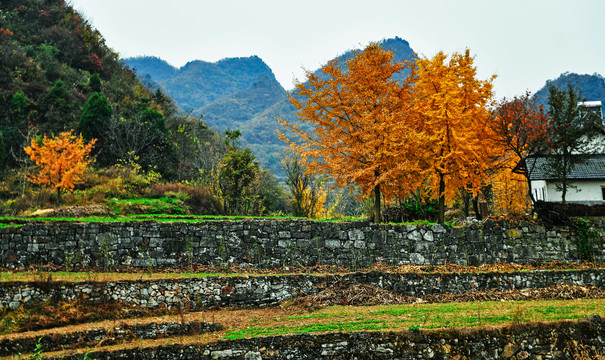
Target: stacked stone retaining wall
(262,291)
(277,243)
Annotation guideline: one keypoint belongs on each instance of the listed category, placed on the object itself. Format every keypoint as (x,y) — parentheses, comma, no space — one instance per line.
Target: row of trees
(437,131)
(393,137)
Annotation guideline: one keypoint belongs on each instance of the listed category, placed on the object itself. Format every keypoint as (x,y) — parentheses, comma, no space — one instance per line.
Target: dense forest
(58,74)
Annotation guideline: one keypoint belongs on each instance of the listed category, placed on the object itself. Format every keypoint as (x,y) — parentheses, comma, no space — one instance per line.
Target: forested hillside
(59,80)
(57,74)
(237,93)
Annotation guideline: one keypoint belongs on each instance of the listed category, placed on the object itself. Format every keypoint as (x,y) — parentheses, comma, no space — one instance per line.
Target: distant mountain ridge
(237,93)
(592,87)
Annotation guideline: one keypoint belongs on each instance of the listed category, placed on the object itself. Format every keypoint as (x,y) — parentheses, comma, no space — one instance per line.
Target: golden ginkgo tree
(392,133)
(363,127)
(452,109)
(61,161)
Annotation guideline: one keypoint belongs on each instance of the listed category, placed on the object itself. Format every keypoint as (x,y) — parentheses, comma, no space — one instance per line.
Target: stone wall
(261,291)
(97,337)
(564,340)
(276,243)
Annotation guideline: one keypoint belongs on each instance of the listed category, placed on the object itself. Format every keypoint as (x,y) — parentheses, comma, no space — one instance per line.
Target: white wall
(587,191)
(538,188)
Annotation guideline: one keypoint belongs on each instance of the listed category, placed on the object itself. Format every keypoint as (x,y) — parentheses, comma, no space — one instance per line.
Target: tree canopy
(520,127)
(571,131)
(61,160)
(452,107)
(364,127)
(391,136)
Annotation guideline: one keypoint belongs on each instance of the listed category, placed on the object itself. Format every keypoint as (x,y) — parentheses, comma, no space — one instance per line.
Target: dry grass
(129,273)
(345,293)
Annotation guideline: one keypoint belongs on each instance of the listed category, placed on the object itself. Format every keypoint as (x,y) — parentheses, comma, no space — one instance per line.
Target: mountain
(592,87)
(238,93)
(160,69)
(200,83)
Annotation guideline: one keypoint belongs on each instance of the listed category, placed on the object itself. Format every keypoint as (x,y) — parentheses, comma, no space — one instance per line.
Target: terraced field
(337,308)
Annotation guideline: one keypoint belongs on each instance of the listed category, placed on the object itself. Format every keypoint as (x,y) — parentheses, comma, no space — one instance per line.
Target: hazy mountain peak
(152,65)
(591,87)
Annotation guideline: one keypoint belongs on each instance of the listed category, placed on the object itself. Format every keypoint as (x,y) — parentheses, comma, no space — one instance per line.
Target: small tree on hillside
(96,114)
(61,161)
(237,171)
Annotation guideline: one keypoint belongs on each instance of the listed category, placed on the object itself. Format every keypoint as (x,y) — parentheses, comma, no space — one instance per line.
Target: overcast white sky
(524,42)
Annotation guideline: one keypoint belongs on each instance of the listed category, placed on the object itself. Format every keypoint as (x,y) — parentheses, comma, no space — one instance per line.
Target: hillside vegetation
(58,75)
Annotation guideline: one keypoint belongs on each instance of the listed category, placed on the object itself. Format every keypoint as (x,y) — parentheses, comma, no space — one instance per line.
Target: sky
(523,42)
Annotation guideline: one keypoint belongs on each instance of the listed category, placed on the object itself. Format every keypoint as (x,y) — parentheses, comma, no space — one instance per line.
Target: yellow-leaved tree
(452,105)
(509,189)
(61,161)
(363,125)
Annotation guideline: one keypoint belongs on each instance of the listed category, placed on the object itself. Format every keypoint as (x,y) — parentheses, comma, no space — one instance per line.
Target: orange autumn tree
(509,189)
(362,125)
(520,127)
(61,161)
(452,107)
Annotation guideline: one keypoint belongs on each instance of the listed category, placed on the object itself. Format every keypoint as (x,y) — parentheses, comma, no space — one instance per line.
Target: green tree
(96,114)
(59,109)
(18,106)
(12,126)
(94,83)
(303,187)
(237,171)
(59,96)
(271,196)
(155,120)
(2,152)
(572,130)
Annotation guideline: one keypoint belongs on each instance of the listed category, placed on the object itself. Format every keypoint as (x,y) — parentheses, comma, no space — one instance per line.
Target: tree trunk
(466,201)
(377,204)
(441,218)
(530,191)
(476,208)
(564,179)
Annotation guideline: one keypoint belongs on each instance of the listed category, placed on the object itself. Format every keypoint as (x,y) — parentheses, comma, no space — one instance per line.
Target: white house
(588,177)
(588,180)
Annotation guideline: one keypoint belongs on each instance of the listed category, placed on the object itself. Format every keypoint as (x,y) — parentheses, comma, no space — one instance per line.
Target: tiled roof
(593,167)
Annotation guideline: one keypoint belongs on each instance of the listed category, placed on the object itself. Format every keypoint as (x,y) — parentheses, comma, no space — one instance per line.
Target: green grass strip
(423,316)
